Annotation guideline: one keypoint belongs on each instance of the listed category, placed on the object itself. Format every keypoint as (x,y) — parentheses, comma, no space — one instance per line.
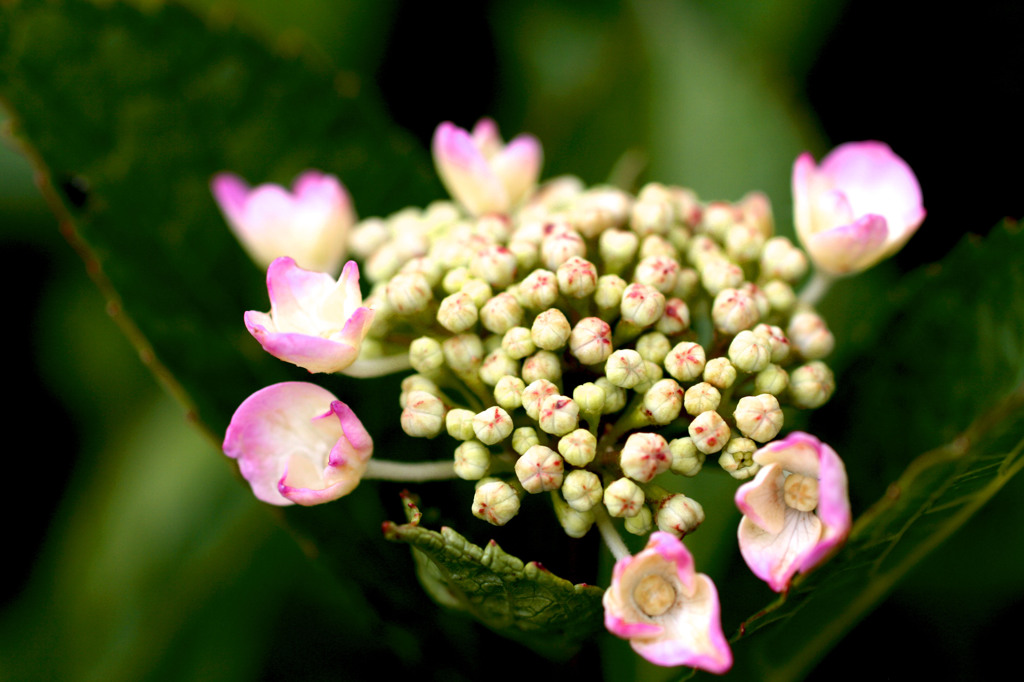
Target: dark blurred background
(720,96)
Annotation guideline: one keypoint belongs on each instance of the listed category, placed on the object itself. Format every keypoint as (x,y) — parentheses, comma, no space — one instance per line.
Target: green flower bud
(777,341)
(719,274)
(426,266)
(617,249)
(686,283)
(472,460)
(495,502)
(653,347)
(368,236)
(700,398)
(550,329)
(527,254)
(644,456)
(702,249)
(759,417)
(772,379)
(425,355)
(656,246)
(542,365)
(718,217)
(534,395)
(652,374)
(590,398)
(641,305)
(496,365)
(454,279)
(493,425)
(811,385)
(651,217)
(559,415)
(756,210)
(780,295)
(709,432)
(591,340)
(578,448)
(423,416)
(810,335)
(459,424)
(738,458)
(539,290)
(518,343)
(685,362)
(479,290)
(457,312)
(417,382)
(781,260)
(495,228)
(614,396)
(625,368)
(577,278)
(409,292)
(743,242)
(623,498)
(524,438)
(495,265)
(687,460)
(679,515)
(750,352)
(501,313)
(464,353)
(663,401)
(720,373)
(733,311)
(582,490)
(575,523)
(540,468)
(640,524)
(508,392)
(609,292)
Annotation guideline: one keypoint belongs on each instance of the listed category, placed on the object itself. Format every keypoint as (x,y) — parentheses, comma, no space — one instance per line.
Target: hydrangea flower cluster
(578,343)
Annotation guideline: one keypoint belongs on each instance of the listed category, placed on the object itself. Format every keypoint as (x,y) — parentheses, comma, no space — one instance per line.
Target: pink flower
(311,223)
(480,172)
(859,206)
(667,611)
(314,322)
(796,511)
(297,444)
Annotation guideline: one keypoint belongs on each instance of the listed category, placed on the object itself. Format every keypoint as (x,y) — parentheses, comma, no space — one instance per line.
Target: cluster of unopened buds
(576,344)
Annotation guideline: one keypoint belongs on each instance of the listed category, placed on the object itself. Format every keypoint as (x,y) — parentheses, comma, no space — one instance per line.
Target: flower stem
(365,368)
(415,472)
(610,536)
(816,288)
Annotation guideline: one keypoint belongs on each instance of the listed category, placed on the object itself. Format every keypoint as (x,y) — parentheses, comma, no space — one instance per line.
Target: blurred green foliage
(157,564)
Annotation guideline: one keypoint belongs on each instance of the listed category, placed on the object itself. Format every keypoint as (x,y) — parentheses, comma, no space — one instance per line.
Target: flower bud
(464,353)
(425,355)
(718,217)
(623,498)
(625,368)
(575,523)
(495,265)
(811,385)
(780,295)
(759,417)
(423,416)
(733,311)
(559,415)
(426,266)
(702,249)
(472,460)
(550,329)
(777,341)
(539,290)
(719,274)
(540,468)
(479,291)
(720,373)
(578,448)
(591,340)
(663,401)
(679,515)
(497,365)
(644,456)
(518,343)
(416,382)
(686,283)
(457,312)
(651,217)
(750,352)
(582,490)
(781,260)
(687,460)
(810,335)
(743,242)
(642,305)
(653,347)
(700,398)
(577,278)
(590,398)
(652,375)
(454,279)
(686,361)
(738,458)
(617,249)
(508,392)
(675,319)
(609,292)
(542,365)
(709,432)
(492,426)
(612,201)
(560,247)
(640,524)
(501,313)
(614,396)
(495,502)
(409,292)
(524,438)
(527,254)
(368,236)
(459,424)
(659,272)
(534,395)
(772,379)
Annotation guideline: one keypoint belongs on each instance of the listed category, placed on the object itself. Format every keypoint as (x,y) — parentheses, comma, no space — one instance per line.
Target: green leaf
(967,392)
(525,602)
(127,115)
